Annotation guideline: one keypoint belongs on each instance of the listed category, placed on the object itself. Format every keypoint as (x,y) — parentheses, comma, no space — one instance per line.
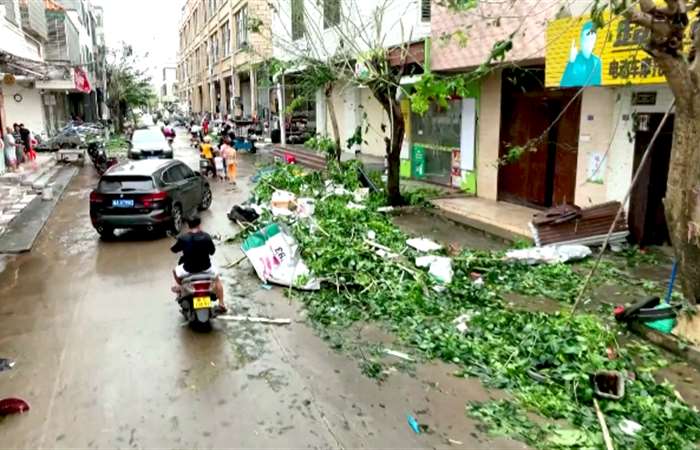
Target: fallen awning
(82,83)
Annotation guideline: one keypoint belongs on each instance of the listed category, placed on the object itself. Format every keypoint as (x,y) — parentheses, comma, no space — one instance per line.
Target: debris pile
(365,270)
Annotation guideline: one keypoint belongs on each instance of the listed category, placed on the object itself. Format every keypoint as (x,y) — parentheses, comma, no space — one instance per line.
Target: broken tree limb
(237,262)
(603,426)
(250,319)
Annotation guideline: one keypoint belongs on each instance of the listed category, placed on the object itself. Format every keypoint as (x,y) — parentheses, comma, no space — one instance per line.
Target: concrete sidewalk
(501,219)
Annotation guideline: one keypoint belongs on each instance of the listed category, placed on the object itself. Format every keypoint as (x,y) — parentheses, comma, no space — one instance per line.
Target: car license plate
(202,302)
(123,203)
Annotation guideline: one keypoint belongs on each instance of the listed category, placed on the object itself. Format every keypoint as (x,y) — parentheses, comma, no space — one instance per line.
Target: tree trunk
(393,152)
(682,202)
(334,119)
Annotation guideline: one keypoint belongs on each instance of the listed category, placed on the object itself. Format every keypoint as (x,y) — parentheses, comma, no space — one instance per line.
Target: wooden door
(523,119)
(647,219)
(564,141)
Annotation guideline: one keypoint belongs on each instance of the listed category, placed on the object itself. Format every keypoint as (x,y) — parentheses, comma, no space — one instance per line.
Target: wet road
(105,362)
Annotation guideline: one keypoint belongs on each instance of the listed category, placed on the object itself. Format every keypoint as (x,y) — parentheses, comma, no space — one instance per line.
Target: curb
(23,230)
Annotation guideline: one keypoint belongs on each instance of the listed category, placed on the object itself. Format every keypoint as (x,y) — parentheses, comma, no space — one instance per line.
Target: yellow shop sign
(578,54)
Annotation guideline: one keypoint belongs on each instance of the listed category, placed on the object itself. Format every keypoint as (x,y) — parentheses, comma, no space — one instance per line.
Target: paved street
(105,362)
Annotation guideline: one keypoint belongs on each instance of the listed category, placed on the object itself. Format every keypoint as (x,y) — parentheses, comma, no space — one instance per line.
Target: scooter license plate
(202,302)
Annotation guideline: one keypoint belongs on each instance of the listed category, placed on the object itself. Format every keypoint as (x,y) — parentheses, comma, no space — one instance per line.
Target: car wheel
(106,233)
(206,199)
(177,221)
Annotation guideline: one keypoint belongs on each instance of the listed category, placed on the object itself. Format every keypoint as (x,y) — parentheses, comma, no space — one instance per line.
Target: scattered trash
(384,209)
(651,312)
(264,320)
(6,364)
(360,194)
(462,322)
(398,354)
(245,214)
(274,254)
(441,270)
(283,203)
(266,286)
(423,245)
(551,254)
(371,235)
(608,384)
(454,442)
(305,207)
(13,406)
(440,267)
(413,423)
(630,427)
(353,205)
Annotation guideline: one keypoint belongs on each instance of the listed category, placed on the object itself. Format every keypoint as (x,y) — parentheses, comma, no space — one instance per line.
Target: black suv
(147,194)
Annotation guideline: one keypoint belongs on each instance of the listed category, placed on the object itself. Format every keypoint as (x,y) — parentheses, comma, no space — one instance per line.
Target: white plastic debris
(371,235)
(630,427)
(385,209)
(462,322)
(305,207)
(398,354)
(353,205)
(360,194)
(442,270)
(440,267)
(551,254)
(423,245)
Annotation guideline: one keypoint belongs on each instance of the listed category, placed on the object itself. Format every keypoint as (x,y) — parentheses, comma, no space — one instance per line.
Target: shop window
(241,18)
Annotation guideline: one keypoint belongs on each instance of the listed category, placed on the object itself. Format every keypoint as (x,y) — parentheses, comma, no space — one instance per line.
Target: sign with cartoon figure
(583,67)
(579,54)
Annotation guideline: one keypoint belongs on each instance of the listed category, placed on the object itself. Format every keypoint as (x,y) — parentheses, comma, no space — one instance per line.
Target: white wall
(29,111)
(13,40)
(612,126)
(399,22)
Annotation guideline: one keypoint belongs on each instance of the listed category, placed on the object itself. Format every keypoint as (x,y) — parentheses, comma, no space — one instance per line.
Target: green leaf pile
(503,347)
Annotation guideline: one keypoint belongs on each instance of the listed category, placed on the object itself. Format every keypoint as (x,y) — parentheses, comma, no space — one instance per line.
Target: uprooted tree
(360,57)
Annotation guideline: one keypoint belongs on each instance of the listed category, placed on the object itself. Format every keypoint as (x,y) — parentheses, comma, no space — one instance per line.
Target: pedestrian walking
(10,155)
(231,159)
(25,135)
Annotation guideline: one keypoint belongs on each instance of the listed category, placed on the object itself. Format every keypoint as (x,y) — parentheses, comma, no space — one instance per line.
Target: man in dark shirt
(197,247)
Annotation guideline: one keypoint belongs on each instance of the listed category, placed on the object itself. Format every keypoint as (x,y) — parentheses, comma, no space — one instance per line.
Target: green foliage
(420,196)
(128,88)
(323,144)
(502,347)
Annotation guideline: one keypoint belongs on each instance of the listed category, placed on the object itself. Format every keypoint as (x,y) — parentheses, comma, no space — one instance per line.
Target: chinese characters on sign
(579,54)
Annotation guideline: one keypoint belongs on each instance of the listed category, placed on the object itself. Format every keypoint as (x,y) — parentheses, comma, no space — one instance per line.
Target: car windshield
(147,137)
(125,184)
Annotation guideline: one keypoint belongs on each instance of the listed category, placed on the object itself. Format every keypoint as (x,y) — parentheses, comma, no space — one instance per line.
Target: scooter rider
(197,247)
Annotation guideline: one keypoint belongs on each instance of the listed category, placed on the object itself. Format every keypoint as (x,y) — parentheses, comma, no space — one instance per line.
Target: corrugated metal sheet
(593,222)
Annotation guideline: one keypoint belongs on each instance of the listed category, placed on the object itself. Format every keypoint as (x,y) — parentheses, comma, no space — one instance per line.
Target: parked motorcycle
(197,300)
(99,158)
(206,168)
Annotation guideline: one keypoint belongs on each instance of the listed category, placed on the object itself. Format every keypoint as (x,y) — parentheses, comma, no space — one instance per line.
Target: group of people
(223,161)
(18,146)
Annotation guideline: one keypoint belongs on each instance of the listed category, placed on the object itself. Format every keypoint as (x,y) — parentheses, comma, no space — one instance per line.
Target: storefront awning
(40,70)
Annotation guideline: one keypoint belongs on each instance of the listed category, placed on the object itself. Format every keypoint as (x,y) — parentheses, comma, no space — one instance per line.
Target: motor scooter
(197,300)
(99,158)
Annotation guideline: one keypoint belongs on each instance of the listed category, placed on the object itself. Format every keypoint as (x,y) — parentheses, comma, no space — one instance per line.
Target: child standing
(231,158)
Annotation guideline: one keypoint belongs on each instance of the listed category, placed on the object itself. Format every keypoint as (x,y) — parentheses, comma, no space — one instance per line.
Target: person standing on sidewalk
(10,155)
(19,145)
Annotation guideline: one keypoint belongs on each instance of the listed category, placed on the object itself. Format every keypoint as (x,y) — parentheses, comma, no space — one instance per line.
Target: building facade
(50,71)
(222,44)
(322,30)
(540,134)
